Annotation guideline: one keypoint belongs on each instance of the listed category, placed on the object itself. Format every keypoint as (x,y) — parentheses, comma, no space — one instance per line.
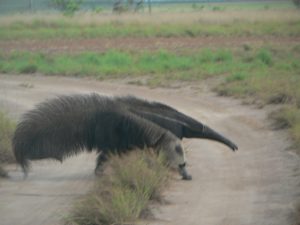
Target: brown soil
(258,185)
(172,43)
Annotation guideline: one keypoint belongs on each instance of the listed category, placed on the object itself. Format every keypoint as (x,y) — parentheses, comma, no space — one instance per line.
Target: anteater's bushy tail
(55,129)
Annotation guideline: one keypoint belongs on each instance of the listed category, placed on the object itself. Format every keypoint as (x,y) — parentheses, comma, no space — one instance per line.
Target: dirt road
(258,185)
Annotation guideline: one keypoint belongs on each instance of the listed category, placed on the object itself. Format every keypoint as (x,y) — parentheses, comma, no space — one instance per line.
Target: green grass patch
(7,128)
(239,76)
(162,64)
(264,56)
(239,66)
(268,74)
(121,195)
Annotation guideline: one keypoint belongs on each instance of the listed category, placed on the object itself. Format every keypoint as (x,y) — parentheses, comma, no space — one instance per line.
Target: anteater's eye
(178,149)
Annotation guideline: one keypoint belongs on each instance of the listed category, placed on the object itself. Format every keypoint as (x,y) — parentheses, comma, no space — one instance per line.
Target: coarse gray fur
(67,125)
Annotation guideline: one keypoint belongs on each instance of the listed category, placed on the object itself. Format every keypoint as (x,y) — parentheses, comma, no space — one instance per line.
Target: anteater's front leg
(101,158)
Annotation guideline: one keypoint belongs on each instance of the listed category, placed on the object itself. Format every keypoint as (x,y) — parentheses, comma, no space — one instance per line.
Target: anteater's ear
(158,141)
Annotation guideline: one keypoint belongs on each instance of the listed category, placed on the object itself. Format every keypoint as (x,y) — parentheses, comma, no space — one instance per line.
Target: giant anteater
(69,124)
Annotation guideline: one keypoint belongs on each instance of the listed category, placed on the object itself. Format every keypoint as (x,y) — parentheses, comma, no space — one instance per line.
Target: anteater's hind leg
(101,158)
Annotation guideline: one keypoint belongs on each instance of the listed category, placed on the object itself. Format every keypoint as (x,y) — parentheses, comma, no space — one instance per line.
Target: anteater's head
(173,152)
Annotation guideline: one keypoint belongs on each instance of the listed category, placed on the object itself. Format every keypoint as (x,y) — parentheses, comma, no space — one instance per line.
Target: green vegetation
(44,30)
(68,7)
(160,65)
(6,131)
(122,195)
(297,3)
(233,23)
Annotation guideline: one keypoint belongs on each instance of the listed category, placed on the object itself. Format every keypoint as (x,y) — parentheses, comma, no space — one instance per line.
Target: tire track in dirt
(257,185)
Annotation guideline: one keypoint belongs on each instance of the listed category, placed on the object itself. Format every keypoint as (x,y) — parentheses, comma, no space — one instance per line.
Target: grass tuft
(121,195)
(7,128)
(28,68)
(239,76)
(6,132)
(264,56)
(288,118)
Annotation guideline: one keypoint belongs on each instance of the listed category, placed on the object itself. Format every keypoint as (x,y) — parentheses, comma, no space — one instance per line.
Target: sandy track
(257,185)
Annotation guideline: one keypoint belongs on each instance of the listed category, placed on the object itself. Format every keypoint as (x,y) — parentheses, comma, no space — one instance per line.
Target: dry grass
(6,131)
(121,195)
(288,117)
(185,24)
(210,17)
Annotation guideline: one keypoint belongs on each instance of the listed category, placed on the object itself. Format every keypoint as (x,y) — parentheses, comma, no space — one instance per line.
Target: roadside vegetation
(122,194)
(276,82)
(161,65)
(274,65)
(192,24)
(6,131)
